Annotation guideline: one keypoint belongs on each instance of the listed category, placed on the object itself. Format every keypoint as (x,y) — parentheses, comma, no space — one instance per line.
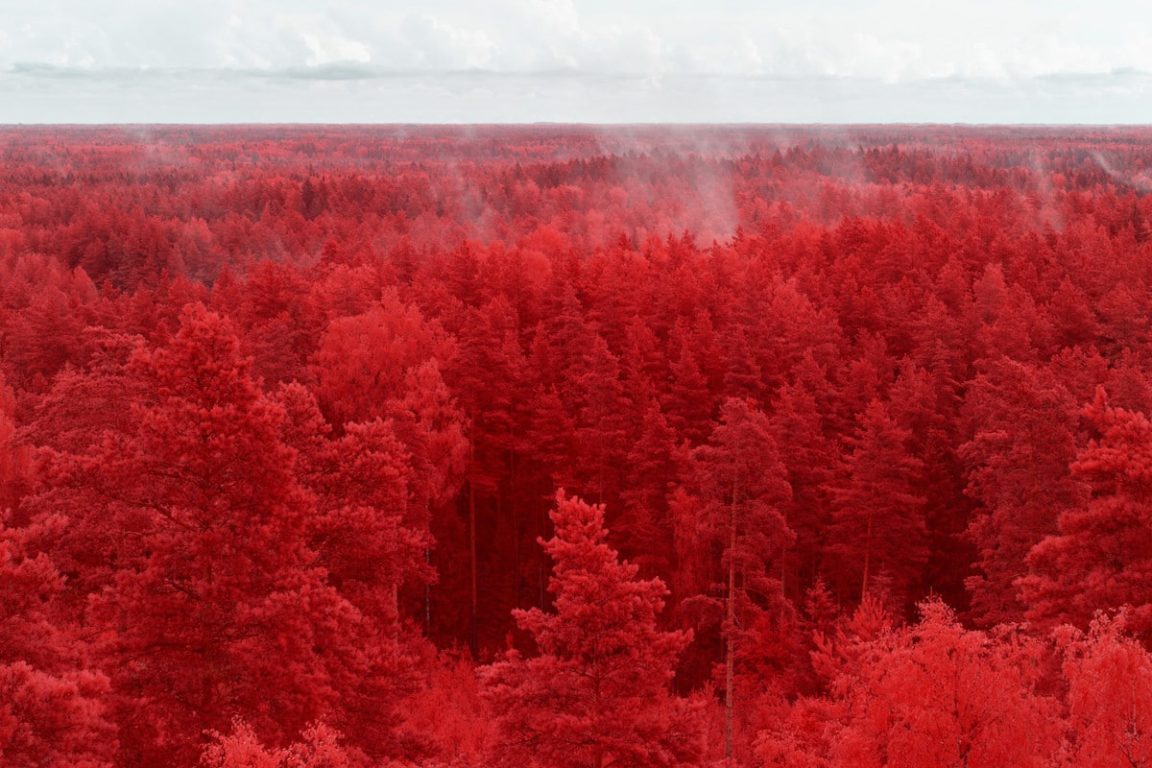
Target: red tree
(1017,459)
(1101,556)
(53,700)
(1109,680)
(937,694)
(741,489)
(597,694)
(319,747)
(878,525)
(210,584)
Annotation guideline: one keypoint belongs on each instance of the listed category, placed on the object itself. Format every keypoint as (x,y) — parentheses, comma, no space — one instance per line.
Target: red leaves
(1109,710)
(274,409)
(1121,459)
(936,694)
(213,591)
(53,707)
(319,747)
(1101,558)
(597,693)
(878,525)
(363,360)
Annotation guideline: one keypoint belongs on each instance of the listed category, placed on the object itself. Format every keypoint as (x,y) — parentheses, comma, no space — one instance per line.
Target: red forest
(567,447)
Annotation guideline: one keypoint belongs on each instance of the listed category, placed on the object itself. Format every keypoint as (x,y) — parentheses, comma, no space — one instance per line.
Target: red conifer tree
(597,694)
(878,523)
(1101,557)
(741,491)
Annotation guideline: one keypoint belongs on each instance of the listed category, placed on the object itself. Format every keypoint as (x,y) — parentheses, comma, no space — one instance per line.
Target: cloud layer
(561,60)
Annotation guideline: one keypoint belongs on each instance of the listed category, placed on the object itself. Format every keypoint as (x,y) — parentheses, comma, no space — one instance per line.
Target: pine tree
(878,522)
(191,538)
(649,470)
(1101,556)
(363,360)
(741,488)
(597,693)
(1023,440)
(601,423)
(812,461)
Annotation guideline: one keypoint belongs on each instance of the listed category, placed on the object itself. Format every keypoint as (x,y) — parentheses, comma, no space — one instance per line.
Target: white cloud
(540,58)
(437,46)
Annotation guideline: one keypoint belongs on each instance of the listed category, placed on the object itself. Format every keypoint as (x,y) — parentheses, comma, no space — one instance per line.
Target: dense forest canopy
(567,446)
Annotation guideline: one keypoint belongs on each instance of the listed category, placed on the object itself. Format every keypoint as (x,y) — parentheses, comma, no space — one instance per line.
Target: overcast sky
(479,61)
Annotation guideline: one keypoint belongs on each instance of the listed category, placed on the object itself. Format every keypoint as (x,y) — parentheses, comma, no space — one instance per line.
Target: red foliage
(597,693)
(283,412)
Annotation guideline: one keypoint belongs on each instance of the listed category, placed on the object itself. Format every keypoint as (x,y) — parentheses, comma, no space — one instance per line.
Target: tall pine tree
(597,692)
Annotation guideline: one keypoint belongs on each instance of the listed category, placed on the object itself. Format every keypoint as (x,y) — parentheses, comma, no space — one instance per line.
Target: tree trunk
(428,596)
(867,557)
(427,585)
(473,628)
(541,556)
(508,489)
(730,640)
